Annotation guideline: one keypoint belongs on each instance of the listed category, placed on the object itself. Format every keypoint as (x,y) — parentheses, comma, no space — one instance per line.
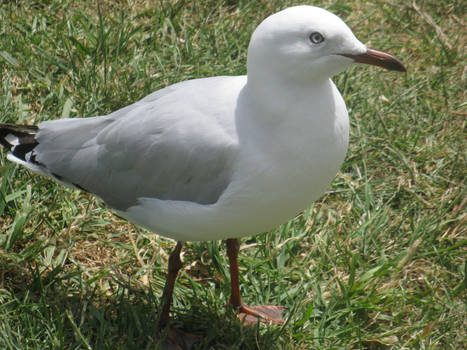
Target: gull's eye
(316,38)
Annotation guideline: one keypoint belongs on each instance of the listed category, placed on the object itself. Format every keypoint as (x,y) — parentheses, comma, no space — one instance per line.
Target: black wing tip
(27,129)
(24,139)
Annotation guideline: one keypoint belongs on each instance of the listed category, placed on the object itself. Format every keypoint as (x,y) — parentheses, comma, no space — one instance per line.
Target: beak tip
(400,68)
(385,60)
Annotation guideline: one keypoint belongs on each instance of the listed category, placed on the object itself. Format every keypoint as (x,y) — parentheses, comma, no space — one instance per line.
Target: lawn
(379,262)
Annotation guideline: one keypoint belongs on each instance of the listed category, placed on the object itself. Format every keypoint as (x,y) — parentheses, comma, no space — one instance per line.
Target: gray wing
(162,146)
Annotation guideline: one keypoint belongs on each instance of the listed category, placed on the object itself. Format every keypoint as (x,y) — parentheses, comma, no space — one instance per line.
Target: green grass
(378,263)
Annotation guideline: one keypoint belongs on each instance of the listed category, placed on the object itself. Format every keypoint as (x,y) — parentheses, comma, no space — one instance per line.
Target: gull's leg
(174,338)
(249,314)
(233,247)
(175,264)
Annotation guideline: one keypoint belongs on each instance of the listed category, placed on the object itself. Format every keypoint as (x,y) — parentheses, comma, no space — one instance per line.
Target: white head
(306,42)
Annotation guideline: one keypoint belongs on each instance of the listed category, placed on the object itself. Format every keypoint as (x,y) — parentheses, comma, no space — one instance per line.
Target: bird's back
(169,145)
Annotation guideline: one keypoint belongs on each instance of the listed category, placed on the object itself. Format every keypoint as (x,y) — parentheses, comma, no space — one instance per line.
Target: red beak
(378,58)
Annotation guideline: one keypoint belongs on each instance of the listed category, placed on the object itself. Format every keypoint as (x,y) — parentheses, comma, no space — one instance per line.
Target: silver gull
(220,157)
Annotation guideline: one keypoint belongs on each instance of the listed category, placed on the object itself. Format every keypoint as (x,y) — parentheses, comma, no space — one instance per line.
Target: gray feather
(153,148)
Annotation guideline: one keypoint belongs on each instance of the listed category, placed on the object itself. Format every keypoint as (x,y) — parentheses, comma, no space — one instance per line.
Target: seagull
(221,157)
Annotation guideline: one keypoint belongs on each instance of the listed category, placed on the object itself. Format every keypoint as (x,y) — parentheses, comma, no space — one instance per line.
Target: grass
(378,263)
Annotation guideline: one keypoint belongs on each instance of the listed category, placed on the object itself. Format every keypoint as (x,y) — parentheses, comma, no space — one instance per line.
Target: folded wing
(164,146)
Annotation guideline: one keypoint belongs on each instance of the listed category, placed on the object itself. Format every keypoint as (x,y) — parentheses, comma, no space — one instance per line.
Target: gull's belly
(257,200)
(271,201)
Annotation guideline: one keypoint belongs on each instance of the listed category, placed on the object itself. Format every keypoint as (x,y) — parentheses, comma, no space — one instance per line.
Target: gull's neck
(282,97)
(300,129)
(295,122)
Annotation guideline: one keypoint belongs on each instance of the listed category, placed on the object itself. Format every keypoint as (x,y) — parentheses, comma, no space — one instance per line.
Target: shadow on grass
(62,310)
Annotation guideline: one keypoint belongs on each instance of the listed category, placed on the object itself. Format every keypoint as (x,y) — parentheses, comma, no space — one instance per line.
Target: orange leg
(175,264)
(249,314)
(174,338)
